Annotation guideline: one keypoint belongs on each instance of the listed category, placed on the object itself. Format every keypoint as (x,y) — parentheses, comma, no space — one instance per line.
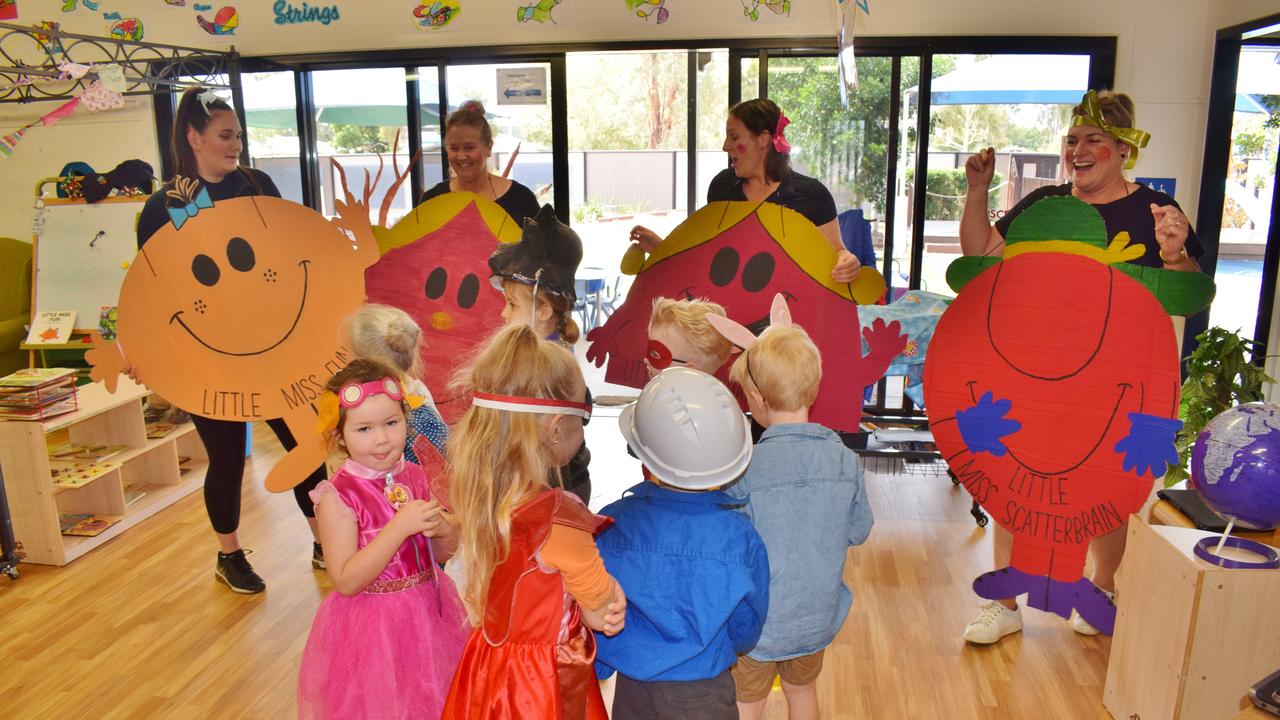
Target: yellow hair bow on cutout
(1133,137)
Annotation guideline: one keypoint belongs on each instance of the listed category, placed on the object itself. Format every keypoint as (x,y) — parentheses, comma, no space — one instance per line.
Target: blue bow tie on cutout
(179,215)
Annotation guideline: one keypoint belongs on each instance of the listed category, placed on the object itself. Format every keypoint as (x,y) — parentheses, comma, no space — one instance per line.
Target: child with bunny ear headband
(804,493)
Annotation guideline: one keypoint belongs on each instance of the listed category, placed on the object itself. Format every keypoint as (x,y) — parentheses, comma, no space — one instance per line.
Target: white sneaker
(1082,626)
(995,622)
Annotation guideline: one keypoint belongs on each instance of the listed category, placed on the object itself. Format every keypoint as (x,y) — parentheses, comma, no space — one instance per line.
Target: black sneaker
(317,556)
(234,570)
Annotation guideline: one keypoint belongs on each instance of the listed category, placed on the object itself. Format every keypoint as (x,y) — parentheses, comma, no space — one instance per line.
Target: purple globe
(1235,465)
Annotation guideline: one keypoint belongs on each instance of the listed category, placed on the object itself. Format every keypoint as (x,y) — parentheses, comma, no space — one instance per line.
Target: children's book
(36,377)
(36,412)
(51,327)
(86,524)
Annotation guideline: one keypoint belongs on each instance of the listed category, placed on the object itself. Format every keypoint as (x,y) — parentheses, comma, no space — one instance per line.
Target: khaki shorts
(754,678)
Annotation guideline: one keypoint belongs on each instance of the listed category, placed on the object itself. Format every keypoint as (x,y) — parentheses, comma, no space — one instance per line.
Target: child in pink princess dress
(386,643)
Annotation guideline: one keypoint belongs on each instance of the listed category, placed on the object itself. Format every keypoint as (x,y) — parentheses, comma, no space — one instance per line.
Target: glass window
(1250,184)
(432,131)
(519,115)
(627,167)
(1018,104)
(271,119)
(713,111)
(358,115)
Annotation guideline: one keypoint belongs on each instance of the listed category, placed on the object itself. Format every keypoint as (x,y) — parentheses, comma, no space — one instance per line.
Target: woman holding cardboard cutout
(207,140)
(468,142)
(760,171)
(1101,144)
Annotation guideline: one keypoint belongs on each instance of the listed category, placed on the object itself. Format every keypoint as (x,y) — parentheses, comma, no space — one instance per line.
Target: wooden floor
(139,628)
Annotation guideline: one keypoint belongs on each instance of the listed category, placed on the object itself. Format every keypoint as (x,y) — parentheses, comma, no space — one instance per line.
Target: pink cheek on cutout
(1102,154)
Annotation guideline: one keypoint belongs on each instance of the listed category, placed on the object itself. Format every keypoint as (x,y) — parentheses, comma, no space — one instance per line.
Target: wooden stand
(104,419)
(1191,637)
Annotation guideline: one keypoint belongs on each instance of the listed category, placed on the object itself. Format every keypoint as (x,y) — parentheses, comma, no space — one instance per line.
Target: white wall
(1164,52)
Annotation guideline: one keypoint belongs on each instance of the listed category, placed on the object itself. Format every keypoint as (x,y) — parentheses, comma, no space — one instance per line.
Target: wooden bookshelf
(103,419)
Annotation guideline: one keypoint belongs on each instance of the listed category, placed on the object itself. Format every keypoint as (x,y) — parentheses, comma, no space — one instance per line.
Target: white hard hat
(687,428)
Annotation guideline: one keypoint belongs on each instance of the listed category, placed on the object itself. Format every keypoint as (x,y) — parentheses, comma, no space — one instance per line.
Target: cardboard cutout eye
(724,265)
(436,282)
(205,270)
(758,272)
(468,291)
(240,254)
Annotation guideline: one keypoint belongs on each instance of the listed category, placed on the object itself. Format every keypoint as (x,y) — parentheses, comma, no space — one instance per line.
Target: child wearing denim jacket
(804,493)
(695,572)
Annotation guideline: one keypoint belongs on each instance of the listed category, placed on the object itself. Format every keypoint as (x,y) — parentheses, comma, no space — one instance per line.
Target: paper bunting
(10,141)
(62,112)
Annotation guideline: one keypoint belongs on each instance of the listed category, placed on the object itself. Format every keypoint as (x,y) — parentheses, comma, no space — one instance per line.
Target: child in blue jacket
(694,570)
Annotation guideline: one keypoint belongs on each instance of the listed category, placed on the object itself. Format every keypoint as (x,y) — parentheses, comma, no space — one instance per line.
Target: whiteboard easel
(83,253)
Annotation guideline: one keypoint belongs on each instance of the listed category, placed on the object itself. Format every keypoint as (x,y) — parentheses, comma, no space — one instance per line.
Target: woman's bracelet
(1182,255)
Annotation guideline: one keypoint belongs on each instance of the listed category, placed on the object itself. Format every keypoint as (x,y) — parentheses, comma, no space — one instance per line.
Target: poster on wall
(436,14)
(538,12)
(8,9)
(522,86)
(755,11)
(651,11)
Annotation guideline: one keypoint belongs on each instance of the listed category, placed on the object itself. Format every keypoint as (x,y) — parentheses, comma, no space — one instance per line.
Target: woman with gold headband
(1101,144)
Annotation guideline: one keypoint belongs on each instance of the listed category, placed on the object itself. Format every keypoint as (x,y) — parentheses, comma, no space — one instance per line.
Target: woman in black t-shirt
(1101,144)
(206,145)
(468,142)
(760,171)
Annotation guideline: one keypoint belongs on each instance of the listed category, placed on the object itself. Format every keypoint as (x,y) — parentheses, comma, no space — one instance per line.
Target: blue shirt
(804,494)
(697,582)
(424,420)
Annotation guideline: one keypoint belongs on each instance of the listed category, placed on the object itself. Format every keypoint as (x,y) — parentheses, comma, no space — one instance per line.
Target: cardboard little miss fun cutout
(740,254)
(232,312)
(1052,389)
(435,267)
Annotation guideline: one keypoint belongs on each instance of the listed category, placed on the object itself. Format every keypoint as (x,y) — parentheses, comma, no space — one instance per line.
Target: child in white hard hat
(695,571)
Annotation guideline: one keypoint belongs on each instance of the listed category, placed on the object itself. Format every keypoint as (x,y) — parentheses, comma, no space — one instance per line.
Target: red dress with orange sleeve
(532,657)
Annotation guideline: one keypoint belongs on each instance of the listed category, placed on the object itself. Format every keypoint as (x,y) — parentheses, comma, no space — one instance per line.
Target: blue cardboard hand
(1149,446)
(982,425)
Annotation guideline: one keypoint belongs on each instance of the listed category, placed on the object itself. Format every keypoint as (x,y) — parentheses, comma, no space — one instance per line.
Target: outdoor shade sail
(1259,73)
(1014,79)
(369,97)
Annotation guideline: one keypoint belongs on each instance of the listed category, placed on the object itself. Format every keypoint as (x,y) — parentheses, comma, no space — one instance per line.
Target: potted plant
(1220,375)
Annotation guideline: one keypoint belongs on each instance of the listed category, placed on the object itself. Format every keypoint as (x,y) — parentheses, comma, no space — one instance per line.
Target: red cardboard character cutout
(740,254)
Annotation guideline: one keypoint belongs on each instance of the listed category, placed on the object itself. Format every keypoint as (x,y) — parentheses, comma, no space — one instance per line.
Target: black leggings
(224,441)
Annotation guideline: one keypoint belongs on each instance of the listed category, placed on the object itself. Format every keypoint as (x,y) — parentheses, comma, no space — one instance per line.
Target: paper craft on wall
(224,22)
(918,312)
(436,14)
(232,311)
(1052,390)
(655,10)
(435,267)
(71,5)
(766,10)
(538,12)
(51,43)
(740,254)
(126,29)
(8,9)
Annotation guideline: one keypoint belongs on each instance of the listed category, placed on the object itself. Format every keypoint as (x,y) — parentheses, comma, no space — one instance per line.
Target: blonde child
(387,334)
(386,643)
(804,493)
(679,334)
(536,277)
(535,586)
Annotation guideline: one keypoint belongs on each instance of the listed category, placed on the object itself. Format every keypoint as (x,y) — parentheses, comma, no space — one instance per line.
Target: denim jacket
(697,582)
(804,494)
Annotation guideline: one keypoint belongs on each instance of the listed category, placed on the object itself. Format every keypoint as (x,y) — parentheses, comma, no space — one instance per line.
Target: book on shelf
(52,327)
(36,377)
(40,412)
(157,430)
(71,474)
(85,524)
(11,397)
(76,451)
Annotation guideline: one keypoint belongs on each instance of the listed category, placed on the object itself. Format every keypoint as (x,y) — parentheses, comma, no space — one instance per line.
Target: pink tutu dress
(390,650)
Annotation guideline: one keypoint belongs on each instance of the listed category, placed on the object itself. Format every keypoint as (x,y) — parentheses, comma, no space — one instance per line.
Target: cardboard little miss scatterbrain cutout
(1052,389)
(435,267)
(232,310)
(740,254)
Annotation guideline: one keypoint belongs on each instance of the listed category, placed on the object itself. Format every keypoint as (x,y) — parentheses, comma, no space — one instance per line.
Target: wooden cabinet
(152,465)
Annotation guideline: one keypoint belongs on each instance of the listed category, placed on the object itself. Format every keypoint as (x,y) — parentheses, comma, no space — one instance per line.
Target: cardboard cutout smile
(740,254)
(232,312)
(435,267)
(1052,390)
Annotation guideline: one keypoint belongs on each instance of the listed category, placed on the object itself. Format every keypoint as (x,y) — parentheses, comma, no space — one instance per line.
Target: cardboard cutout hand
(982,425)
(1149,446)
(106,360)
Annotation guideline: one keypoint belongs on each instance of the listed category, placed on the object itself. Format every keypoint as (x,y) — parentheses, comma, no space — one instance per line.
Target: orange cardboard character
(232,312)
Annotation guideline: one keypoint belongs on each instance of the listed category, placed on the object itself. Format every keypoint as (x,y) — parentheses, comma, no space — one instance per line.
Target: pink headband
(779,140)
(541,406)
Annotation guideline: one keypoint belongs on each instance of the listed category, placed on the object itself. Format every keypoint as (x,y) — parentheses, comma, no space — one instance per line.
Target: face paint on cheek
(740,148)
(1103,154)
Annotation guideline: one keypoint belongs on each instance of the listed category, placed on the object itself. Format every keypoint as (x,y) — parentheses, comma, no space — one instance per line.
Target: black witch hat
(547,256)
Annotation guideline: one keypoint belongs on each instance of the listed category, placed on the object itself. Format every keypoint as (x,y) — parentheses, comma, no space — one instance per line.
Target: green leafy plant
(1220,376)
